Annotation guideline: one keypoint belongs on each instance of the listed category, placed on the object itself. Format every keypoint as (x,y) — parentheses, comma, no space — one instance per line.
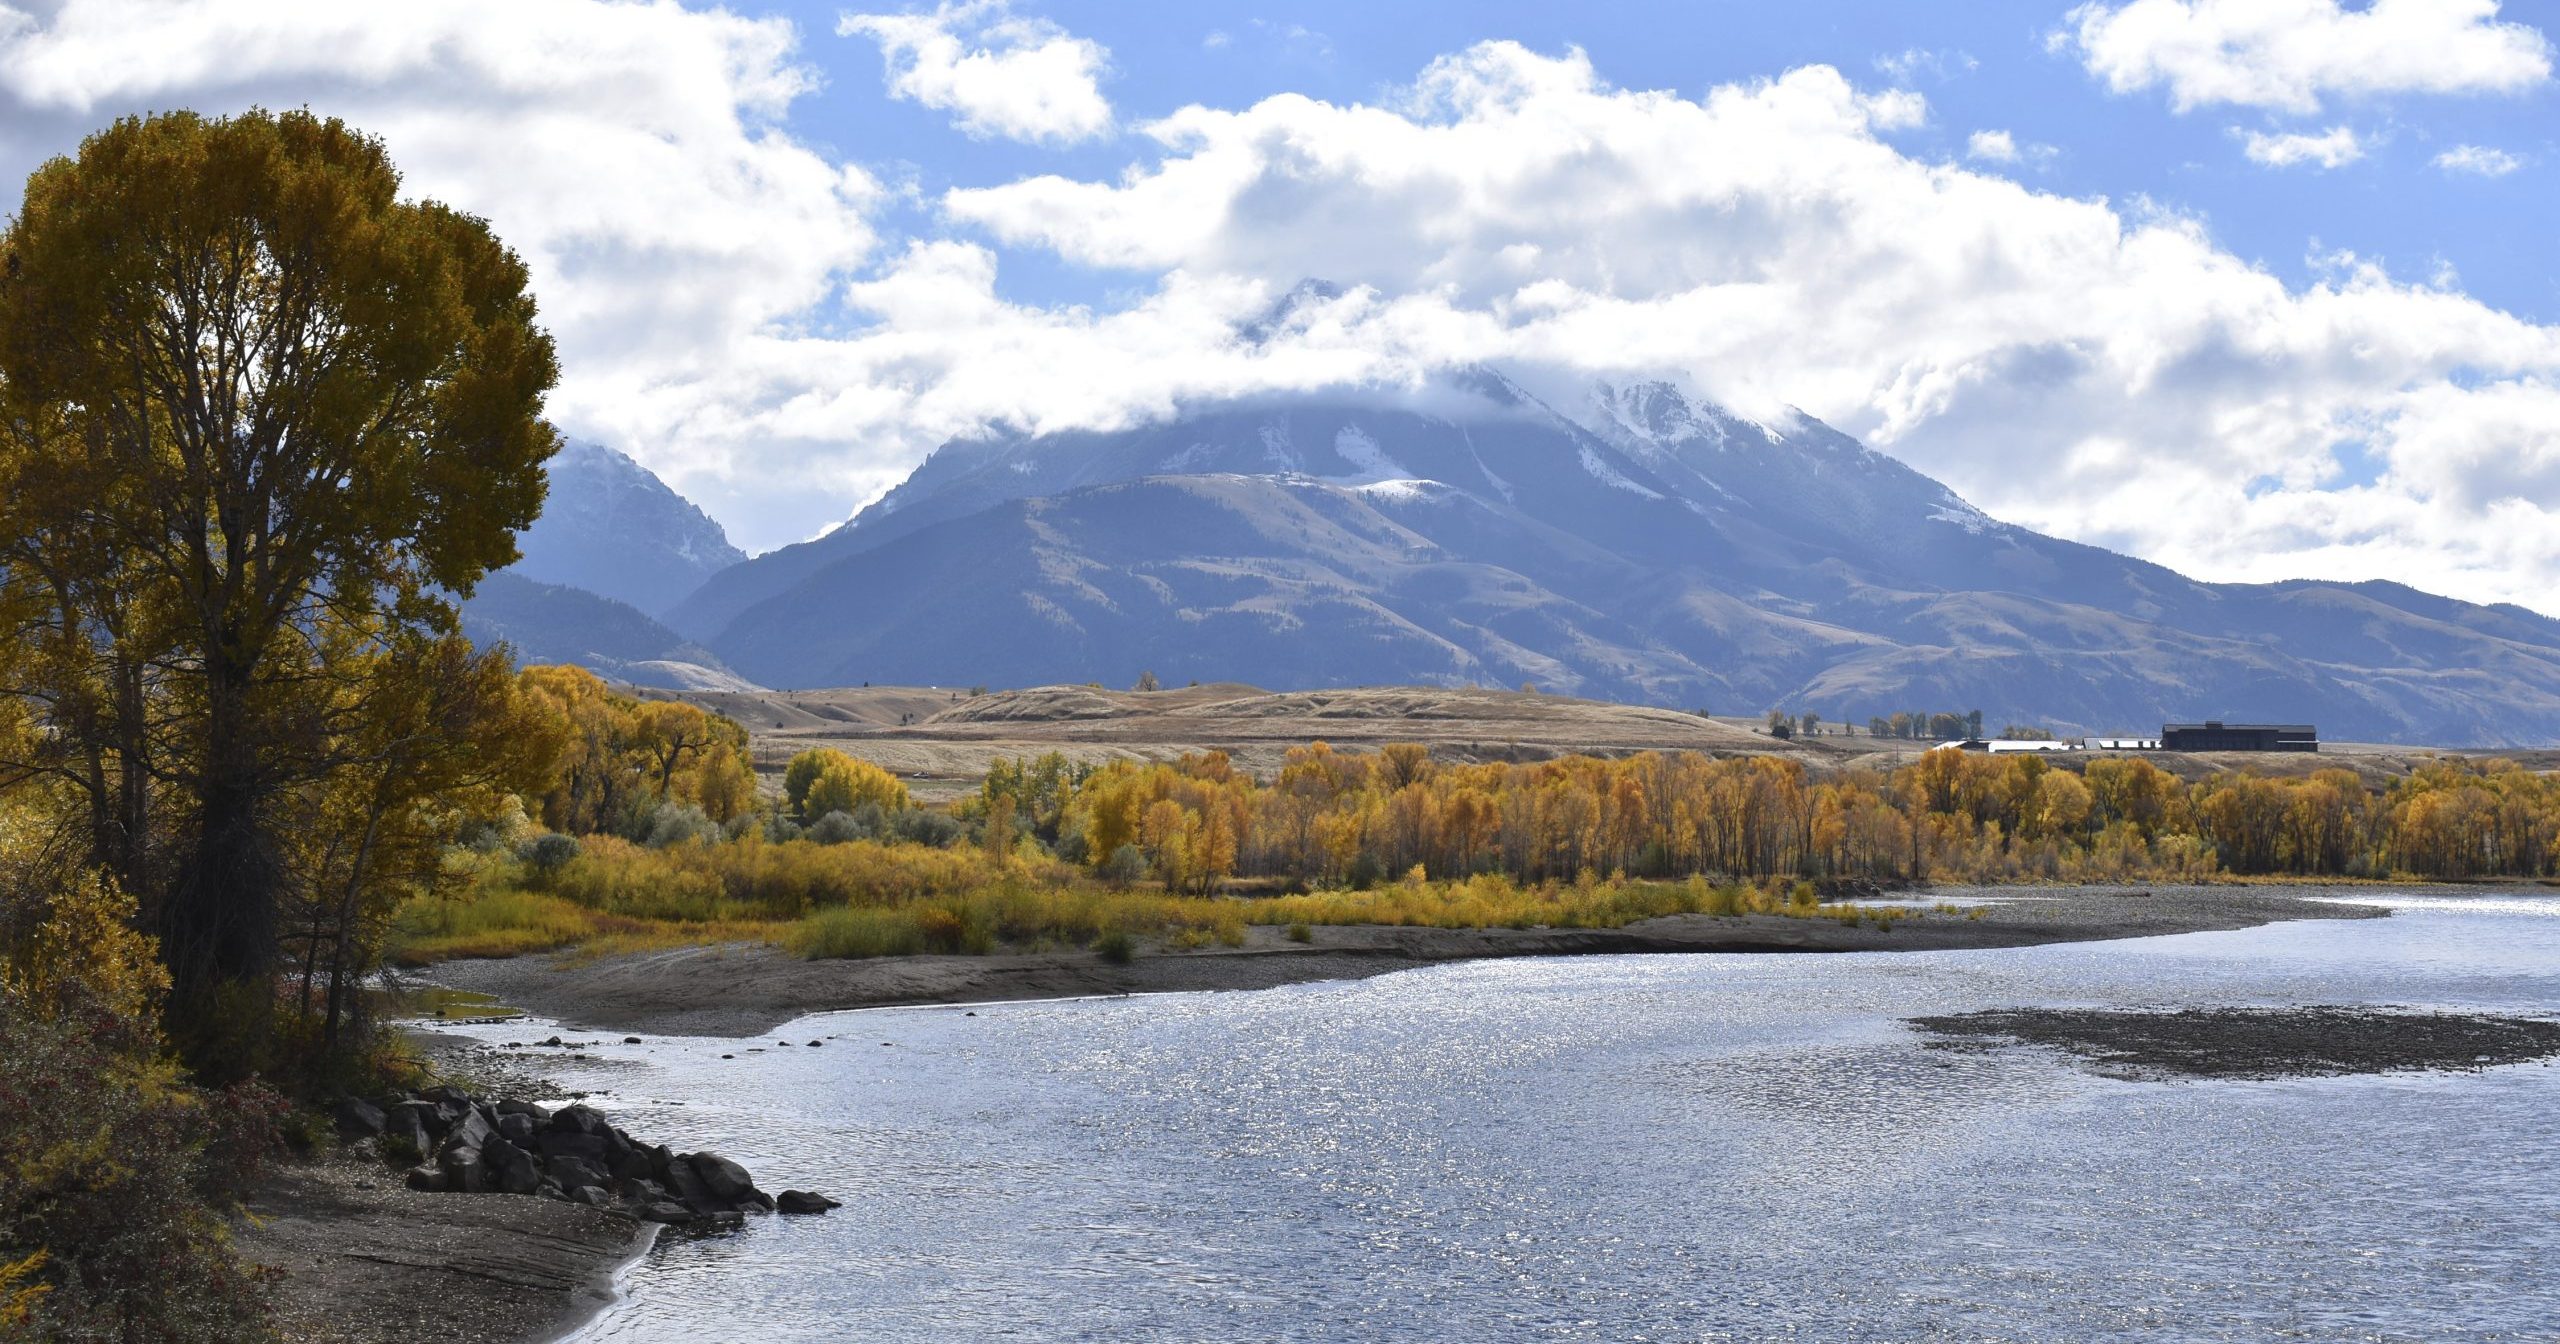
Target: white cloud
(2335,147)
(1766,244)
(2289,54)
(632,153)
(1902,67)
(2478,159)
(1992,147)
(724,311)
(996,73)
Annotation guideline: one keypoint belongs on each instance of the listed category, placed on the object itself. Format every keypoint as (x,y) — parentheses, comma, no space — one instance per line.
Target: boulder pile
(469,1145)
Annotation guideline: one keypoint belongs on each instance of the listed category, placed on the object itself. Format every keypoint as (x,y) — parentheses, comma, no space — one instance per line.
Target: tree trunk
(219,929)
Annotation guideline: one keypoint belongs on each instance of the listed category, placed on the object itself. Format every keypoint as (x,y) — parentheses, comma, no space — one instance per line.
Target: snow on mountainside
(1650,547)
(611,527)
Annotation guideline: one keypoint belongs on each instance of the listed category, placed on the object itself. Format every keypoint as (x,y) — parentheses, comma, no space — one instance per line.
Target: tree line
(1329,817)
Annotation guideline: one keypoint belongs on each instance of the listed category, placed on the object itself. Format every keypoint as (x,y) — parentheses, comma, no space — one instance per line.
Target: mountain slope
(556,623)
(1653,549)
(611,527)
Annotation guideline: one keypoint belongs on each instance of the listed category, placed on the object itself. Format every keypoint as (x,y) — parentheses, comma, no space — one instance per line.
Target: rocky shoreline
(510,1223)
(475,1145)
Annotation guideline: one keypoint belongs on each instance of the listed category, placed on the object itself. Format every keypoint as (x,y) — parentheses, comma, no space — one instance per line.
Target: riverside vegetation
(1188,854)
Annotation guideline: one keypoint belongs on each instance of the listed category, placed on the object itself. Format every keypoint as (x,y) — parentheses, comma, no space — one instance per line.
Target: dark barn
(2217,736)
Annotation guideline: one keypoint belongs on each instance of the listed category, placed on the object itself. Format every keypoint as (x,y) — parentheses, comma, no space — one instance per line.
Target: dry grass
(906,900)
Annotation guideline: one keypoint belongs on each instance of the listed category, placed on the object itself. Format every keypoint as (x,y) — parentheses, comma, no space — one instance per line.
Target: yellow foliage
(823,780)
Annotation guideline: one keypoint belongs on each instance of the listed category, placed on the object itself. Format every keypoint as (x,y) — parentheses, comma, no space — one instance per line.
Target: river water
(1663,1148)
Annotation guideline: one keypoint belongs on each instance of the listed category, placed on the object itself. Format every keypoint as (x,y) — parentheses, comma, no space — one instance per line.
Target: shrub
(837,828)
(1116,947)
(115,1175)
(1301,933)
(917,826)
(681,823)
(547,854)
(1127,864)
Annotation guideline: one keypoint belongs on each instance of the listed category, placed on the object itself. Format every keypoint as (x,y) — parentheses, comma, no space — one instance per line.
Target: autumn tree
(264,417)
(823,780)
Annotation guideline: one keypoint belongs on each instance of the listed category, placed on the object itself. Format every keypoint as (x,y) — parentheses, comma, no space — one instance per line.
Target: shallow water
(1703,1147)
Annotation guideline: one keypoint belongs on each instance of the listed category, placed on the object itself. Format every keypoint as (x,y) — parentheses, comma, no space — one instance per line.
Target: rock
(578,1120)
(641,1192)
(572,1172)
(815,1044)
(464,1172)
(423,1116)
(726,1180)
(511,1169)
(803,1201)
(593,1196)
(688,1185)
(661,1212)
(553,1041)
(358,1119)
(516,1129)
(550,1189)
(427,1178)
(757,1200)
(448,1096)
(524,1108)
(555,1144)
(631,1040)
(403,1135)
(472,1130)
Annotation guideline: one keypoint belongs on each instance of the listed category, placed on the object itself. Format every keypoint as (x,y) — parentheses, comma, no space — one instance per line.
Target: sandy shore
(744,989)
(368,1261)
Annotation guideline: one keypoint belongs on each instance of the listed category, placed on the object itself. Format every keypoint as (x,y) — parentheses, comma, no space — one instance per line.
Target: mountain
(1644,547)
(556,623)
(612,528)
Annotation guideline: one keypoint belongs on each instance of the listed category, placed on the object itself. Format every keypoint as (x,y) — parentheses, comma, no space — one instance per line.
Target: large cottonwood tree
(258,414)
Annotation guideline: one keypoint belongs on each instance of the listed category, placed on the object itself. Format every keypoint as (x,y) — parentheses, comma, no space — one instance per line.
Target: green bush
(681,823)
(547,854)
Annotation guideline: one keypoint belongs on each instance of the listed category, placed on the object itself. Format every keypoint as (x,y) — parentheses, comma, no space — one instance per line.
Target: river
(1691,1148)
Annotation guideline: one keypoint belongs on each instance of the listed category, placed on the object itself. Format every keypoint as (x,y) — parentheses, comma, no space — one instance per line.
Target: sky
(2259,289)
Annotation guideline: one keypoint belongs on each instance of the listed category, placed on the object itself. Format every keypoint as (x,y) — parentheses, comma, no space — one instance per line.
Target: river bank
(367,1260)
(1486,1150)
(741,989)
(363,1259)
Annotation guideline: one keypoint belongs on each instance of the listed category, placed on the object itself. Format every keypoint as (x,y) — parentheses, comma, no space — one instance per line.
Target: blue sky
(2256,288)
(1982,64)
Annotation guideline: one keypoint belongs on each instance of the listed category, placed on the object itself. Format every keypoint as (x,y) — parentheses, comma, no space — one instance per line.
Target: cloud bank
(2288,55)
(729,309)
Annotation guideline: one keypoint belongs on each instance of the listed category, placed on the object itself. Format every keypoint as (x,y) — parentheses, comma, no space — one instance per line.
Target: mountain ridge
(1652,548)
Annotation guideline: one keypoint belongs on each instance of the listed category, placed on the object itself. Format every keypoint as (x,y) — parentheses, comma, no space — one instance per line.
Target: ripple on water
(1669,1148)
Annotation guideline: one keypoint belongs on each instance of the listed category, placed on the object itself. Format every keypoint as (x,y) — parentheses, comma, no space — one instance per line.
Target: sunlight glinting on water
(1623,1148)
